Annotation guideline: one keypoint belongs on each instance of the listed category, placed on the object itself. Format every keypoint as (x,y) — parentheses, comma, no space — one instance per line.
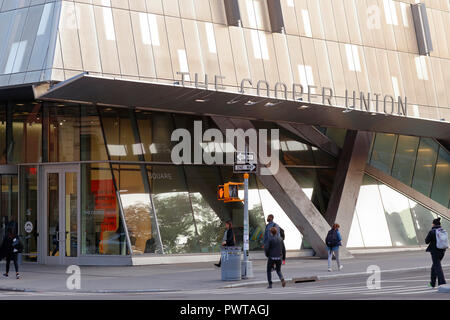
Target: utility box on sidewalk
(231,263)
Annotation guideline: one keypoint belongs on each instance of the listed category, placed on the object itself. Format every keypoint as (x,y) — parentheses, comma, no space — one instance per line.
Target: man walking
(10,248)
(270,225)
(273,251)
(436,254)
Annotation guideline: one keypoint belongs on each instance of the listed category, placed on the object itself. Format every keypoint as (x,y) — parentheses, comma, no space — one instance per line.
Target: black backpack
(332,239)
(282,233)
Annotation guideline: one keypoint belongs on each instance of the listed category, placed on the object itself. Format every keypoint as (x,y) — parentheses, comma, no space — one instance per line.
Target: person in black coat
(10,248)
(436,255)
(274,254)
(228,239)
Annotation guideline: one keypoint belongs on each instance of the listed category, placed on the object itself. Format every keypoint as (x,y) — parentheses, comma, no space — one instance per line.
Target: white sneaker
(329,270)
(340,267)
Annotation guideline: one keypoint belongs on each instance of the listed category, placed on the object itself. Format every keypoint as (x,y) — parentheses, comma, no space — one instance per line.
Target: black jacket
(230,238)
(274,248)
(7,248)
(431,241)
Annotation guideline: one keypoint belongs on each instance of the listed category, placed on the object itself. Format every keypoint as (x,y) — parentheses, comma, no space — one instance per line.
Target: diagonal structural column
(313,136)
(289,196)
(348,180)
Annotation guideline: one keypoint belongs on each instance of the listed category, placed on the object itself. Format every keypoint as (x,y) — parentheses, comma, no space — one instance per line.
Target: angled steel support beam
(313,136)
(291,198)
(348,180)
(407,191)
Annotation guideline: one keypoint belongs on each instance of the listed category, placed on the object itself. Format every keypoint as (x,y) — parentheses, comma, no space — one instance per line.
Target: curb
(327,277)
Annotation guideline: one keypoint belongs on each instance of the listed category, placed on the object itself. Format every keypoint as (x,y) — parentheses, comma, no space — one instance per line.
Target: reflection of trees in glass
(257,227)
(398,229)
(175,222)
(424,219)
(138,221)
(209,226)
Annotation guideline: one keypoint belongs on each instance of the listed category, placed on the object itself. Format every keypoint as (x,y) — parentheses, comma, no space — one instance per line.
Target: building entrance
(61,187)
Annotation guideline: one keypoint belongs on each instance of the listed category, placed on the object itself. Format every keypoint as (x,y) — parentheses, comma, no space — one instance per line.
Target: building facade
(351,97)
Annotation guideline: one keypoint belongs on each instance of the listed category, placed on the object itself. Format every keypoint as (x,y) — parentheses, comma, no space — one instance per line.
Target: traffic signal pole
(247,267)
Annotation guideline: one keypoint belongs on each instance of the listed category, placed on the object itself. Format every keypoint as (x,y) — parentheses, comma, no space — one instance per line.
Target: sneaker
(340,267)
(329,270)
(429,285)
(284,262)
(283,283)
(5,275)
(270,286)
(17,276)
(217,265)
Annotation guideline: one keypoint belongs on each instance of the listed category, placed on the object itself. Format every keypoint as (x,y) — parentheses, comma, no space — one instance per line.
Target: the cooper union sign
(381,104)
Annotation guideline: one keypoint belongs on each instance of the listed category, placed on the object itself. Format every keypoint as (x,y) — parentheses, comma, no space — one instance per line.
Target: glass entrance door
(61,187)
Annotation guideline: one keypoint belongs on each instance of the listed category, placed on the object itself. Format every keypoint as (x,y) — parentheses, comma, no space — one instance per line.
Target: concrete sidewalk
(195,276)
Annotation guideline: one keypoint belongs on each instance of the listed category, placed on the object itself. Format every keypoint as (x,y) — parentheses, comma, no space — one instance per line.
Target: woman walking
(228,239)
(11,248)
(333,241)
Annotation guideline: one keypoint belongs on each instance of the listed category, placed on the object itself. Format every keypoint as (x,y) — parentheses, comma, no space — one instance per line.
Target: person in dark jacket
(270,224)
(274,253)
(436,255)
(10,248)
(228,239)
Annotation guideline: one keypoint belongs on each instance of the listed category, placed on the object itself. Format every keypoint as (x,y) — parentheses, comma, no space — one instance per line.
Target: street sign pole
(247,268)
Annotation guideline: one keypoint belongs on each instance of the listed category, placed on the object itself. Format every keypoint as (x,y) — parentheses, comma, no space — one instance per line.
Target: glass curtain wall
(421,163)
(28,204)
(386,218)
(127,189)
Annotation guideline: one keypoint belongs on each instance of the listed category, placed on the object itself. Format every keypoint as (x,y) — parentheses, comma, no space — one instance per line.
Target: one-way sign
(244,168)
(244,157)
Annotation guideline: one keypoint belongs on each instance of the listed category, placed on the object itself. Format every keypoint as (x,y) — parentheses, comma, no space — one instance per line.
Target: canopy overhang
(102,91)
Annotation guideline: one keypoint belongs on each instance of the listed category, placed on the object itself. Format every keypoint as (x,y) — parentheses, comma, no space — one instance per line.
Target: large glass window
(121,136)
(3,133)
(177,224)
(441,184)
(92,143)
(371,217)
(102,228)
(137,208)
(405,158)
(63,133)
(383,151)
(398,216)
(423,219)
(425,165)
(26,145)
(28,211)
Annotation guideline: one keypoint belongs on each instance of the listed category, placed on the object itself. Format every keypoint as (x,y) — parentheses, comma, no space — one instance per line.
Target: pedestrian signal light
(229,192)
(220,193)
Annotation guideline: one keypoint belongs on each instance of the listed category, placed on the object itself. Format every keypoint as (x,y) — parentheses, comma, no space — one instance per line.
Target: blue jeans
(330,256)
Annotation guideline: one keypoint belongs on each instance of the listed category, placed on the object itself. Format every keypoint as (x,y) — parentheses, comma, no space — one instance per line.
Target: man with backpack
(333,241)
(437,240)
(11,247)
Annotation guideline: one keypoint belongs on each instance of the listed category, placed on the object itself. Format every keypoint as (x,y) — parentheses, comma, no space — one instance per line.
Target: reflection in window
(177,225)
(102,230)
(398,216)
(371,217)
(92,144)
(423,219)
(120,137)
(137,209)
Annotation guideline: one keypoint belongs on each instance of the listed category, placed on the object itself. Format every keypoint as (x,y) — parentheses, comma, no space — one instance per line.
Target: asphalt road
(394,286)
